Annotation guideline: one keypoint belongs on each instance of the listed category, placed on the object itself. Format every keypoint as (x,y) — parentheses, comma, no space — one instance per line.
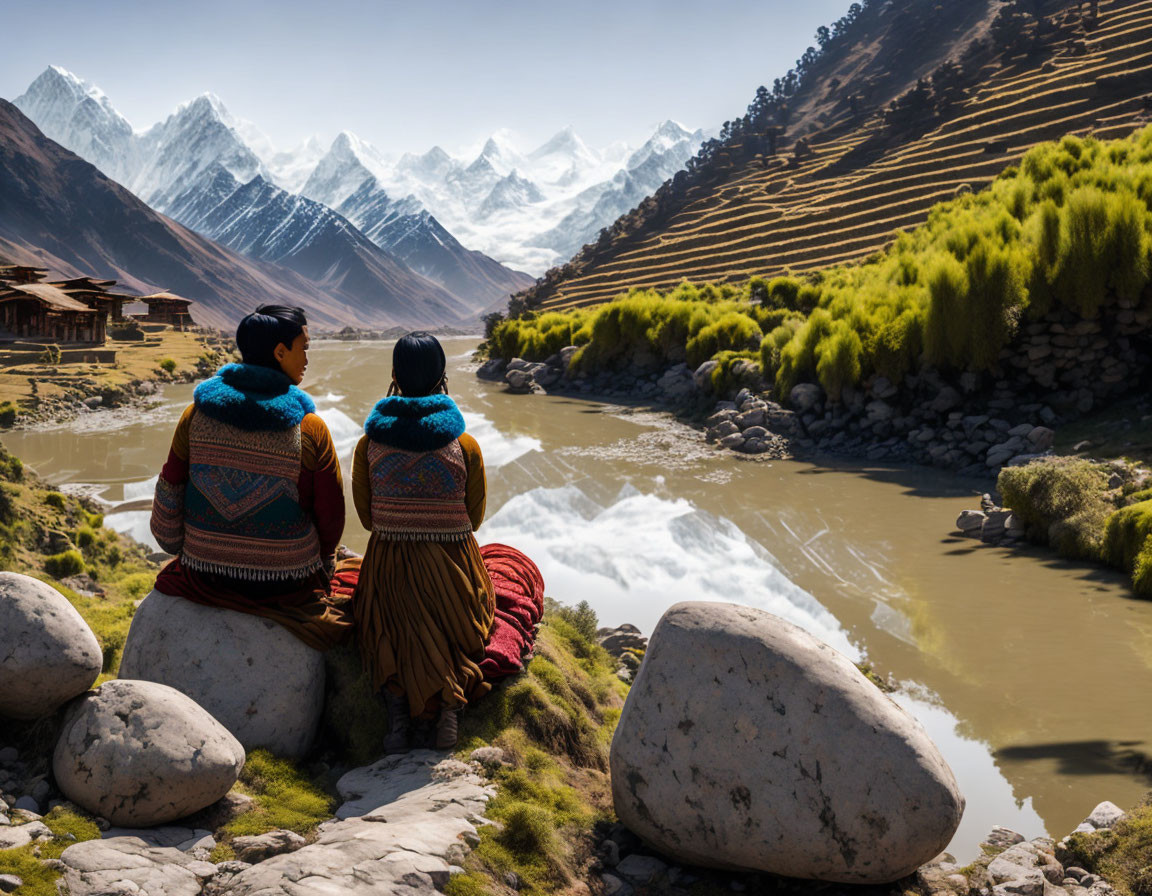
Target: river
(1025,670)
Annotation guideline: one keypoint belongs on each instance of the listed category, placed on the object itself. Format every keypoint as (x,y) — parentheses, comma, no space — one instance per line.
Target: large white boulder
(48,655)
(142,754)
(257,678)
(745,743)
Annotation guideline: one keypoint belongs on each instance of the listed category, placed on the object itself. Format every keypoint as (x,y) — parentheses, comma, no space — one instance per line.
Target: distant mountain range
(463,222)
(61,212)
(529,210)
(197,168)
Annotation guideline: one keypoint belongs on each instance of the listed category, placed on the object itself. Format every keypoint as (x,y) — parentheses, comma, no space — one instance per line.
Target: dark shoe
(446,728)
(423,733)
(399,724)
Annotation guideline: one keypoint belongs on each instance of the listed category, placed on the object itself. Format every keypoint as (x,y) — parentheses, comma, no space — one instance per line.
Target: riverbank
(43,390)
(616,511)
(539,743)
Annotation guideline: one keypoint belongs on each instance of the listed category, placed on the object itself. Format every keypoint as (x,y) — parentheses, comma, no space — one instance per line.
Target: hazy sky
(407,76)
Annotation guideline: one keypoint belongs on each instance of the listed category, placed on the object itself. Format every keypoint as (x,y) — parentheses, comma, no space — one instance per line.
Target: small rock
(93,401)
(614,886)
(489,757)
(1106,815)
(610,853)
(970,522)
(256,849)
(233,866)
(10,882)
(512,879)
(639,868)
(805,396)
(28,804)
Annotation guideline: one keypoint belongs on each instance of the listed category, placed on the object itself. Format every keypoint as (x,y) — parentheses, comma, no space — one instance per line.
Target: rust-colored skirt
(424,610)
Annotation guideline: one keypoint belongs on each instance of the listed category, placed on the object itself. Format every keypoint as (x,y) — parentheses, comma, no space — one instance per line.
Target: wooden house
(96,295)
(19,273)
(166,308)
(44,312)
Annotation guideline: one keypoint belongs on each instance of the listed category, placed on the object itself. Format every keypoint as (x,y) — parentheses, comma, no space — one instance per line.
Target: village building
(43,312)
(167,308)
(76,310)
(18,273)
(95,294)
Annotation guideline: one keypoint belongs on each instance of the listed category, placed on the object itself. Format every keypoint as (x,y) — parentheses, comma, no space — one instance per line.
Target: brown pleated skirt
(424,610)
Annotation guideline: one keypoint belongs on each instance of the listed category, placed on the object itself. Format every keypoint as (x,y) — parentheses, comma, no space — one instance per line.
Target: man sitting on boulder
(250,499)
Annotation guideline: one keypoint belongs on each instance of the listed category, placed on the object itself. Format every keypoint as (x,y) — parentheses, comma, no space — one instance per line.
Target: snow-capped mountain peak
(77,115)
(348,163)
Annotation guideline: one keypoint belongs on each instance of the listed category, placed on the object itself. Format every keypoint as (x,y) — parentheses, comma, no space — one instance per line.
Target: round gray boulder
(257,678)
(48,654)
(142,754)
(745,743)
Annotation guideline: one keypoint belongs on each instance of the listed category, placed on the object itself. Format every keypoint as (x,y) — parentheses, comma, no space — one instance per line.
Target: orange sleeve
(476,489)
(361,486)
(180,436)
(317,452)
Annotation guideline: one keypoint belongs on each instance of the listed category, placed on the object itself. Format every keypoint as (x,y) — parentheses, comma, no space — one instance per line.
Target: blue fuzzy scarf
(253,398)
(415,424)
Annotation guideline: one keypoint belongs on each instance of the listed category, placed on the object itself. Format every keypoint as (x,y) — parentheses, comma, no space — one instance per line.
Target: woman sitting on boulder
(424,602)
(250,499)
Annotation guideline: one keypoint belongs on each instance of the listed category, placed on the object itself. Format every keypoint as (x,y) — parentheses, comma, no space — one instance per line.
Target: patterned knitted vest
(419,495)
(416,469)
(242,513)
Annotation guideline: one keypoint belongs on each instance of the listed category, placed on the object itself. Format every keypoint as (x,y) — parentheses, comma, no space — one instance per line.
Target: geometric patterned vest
(242,514)
(419,495)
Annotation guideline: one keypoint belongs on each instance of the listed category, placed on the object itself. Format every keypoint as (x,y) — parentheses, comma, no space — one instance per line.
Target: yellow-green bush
(1061,501)
(64,564)
(1127,534)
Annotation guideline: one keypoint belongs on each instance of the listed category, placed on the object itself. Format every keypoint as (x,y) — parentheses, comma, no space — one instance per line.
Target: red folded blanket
(519,591)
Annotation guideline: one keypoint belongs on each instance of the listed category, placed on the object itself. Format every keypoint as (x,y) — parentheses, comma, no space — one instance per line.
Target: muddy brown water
(1030,673)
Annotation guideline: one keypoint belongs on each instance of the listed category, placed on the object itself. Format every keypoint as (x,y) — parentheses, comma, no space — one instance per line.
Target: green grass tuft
(285,798)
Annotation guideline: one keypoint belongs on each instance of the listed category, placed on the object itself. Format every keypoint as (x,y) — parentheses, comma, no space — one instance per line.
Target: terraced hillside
(841,193)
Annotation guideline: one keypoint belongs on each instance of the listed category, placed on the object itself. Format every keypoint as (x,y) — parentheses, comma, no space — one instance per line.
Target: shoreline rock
(746,743)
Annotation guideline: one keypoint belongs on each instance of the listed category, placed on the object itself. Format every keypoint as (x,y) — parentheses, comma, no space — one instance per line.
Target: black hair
(418,364)
(265,328)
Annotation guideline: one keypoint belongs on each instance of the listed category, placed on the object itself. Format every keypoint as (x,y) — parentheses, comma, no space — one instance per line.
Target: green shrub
(838,359)
(85,537)
(8,412)
(55,499)
(1061,501)
(65,564)
(784,292)
(581,617)
(168,365)
(1127,534)
(944,335)
(732,332)
(898,345)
